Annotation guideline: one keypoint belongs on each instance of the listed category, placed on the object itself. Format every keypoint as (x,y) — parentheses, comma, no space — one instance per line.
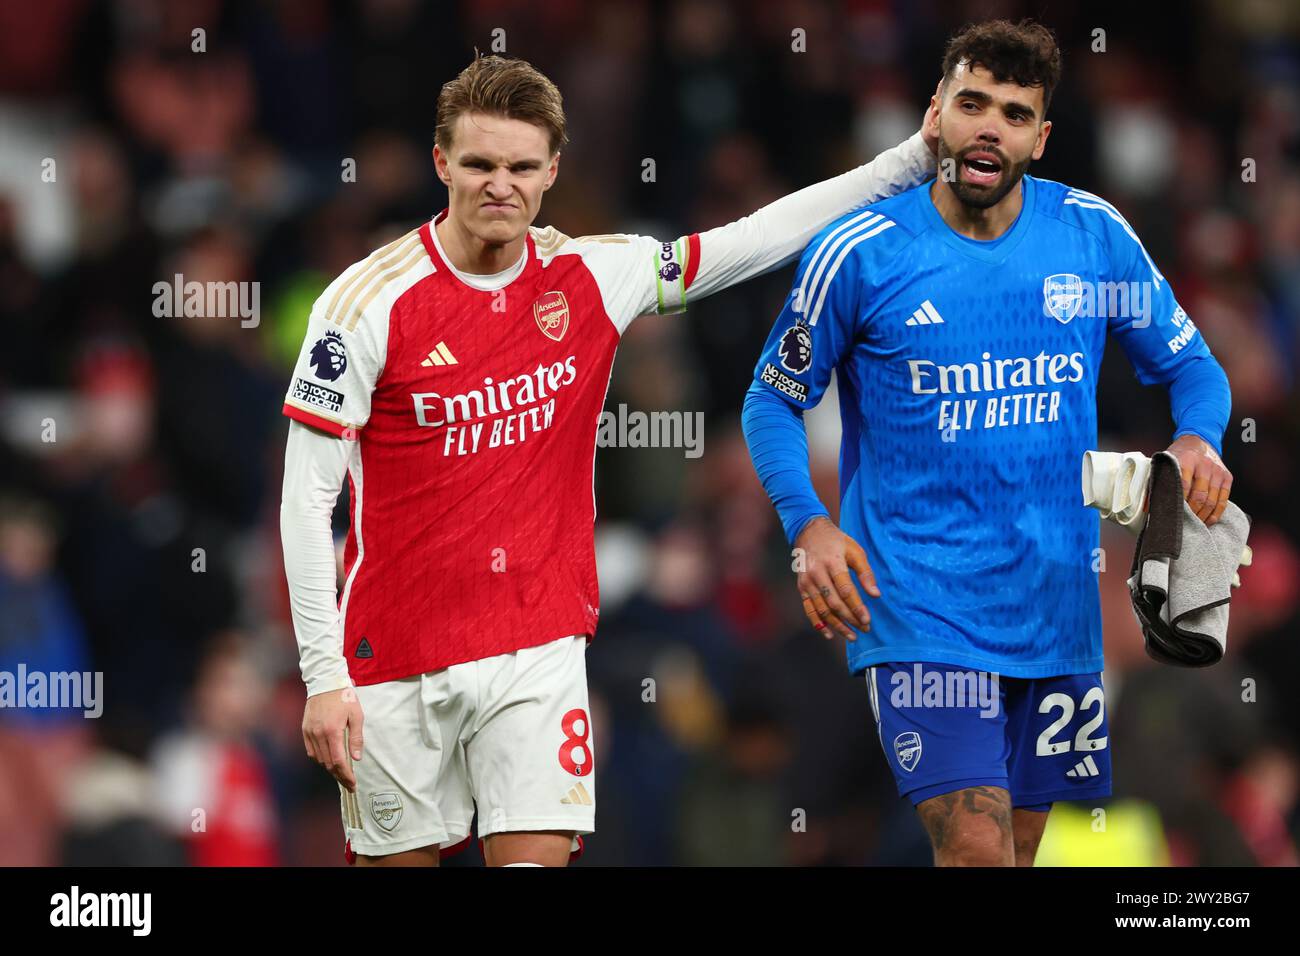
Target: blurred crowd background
(142,541)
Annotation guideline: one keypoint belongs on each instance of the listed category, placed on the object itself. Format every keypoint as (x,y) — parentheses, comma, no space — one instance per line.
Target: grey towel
(1182,572)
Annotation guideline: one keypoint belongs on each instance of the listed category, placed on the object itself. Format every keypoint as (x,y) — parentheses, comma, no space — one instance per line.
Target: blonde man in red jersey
(455,378)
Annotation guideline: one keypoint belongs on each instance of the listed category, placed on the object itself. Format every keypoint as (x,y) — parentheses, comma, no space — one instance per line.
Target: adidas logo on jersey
(577,795)
(1086,767)
(927,314)
(441,355)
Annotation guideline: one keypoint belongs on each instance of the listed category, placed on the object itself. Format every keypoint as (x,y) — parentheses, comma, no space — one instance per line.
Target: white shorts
(509,735)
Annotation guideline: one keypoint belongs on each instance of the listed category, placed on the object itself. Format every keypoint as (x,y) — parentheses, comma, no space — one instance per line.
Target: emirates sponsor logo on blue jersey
(994,375)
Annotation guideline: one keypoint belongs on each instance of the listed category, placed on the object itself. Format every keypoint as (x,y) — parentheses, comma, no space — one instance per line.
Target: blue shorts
(946,728)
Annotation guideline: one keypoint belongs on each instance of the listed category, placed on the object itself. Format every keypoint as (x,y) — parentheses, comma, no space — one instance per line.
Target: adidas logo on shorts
(577,795)
(1084,768)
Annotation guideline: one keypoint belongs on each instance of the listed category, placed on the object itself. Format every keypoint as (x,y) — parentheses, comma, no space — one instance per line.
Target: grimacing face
(991,131)
(496,170)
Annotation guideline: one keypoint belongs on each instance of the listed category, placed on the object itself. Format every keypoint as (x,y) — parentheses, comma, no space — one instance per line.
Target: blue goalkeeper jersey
(967,376)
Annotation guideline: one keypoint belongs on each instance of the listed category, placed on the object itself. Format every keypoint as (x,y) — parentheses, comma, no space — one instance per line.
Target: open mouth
(981,168)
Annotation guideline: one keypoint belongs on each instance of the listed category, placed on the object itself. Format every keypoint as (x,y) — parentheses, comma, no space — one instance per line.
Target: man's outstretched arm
(639,274)
(665,276)
(777,233)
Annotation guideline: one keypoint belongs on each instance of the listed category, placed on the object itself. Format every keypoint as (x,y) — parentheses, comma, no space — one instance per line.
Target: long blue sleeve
(1201,400)
(778,445)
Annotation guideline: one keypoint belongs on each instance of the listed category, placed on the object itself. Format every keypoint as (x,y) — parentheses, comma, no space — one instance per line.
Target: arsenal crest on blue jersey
(1062,296)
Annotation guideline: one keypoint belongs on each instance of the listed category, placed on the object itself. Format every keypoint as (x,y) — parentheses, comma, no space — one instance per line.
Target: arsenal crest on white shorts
(386,808)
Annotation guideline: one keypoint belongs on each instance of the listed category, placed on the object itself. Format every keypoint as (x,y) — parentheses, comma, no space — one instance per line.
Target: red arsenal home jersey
(473,415)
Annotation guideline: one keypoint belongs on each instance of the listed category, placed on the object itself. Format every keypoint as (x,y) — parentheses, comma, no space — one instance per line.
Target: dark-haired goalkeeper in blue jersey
(966,319)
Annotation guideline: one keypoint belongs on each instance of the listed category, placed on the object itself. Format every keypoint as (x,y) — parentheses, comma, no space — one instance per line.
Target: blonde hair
(498,86)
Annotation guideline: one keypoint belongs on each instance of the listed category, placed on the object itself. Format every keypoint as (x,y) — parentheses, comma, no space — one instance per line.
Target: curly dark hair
(1024,53)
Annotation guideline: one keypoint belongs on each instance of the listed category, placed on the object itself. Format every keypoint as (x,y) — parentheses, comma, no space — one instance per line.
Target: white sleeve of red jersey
(314,467)
(777,233)
(342,353)
(660,276)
